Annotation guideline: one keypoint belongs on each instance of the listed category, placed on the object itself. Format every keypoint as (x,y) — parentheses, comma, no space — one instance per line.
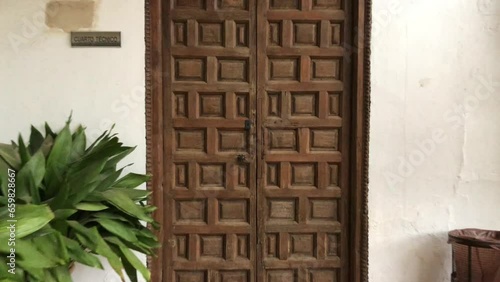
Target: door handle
(248,125)
(241,158)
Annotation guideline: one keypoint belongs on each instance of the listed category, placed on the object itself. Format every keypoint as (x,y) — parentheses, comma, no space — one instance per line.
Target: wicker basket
(476,255)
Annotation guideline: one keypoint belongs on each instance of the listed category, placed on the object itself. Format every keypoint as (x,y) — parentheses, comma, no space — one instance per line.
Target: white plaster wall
(42,79)
(435,159)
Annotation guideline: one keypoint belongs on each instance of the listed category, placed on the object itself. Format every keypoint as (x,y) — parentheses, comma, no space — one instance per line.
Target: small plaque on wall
(96,39)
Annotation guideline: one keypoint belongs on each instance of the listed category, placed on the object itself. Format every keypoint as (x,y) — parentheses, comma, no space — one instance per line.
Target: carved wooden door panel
(210,187)
(303,92)
(256,140)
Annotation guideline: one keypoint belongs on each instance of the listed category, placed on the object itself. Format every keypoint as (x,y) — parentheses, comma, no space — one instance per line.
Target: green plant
(71,204)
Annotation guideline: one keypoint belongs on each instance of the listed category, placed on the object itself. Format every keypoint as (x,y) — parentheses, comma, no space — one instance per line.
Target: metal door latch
(241,158)
(248,124)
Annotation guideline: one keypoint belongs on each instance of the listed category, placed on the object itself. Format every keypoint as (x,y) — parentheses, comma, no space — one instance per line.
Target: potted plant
(62,201)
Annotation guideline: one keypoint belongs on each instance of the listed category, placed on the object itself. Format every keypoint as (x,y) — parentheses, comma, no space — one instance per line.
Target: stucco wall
(435,159)
(42,79)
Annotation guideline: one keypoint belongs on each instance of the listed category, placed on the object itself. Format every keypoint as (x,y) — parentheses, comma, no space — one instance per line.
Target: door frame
(360,131)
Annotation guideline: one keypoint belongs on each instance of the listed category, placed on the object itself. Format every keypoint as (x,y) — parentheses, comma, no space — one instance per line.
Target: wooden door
(256,140)
(304,108)
(210,183)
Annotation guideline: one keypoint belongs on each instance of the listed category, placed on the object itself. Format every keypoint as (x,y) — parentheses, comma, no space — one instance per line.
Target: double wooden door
(257,120)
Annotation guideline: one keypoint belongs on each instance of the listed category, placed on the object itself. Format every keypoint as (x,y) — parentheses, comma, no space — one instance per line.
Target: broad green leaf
(49,132)
(139,247)
(47,229)
(151,243)
(77,253)
(35,273)
(145,232)
(90,206)
(79,142)
(4,177)
(131,257)
(108,180)
(110,215)
(47,145)
(131,180)
(30,218)
(61,273)
(110,140)
(53,247)
(91,238)
(36,140)
(99,139)
(29,178)
(49,276)
(6,276)
(58,160)
(10,155)
(23,150)
(104,152)
(64,213)
(31,257)
(155,225)
(119,229)
(121,201)
(130,270)
(135,262)
(137,194)
(60,201)
(113,162)
(150,209)
(82,182)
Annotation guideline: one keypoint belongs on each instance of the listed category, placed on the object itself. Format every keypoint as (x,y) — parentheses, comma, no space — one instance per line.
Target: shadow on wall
(428,258)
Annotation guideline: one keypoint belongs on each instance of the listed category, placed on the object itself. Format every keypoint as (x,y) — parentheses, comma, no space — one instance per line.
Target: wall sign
(96,39)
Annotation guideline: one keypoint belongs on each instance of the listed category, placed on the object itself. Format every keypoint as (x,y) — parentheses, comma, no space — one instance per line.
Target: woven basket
(476,255)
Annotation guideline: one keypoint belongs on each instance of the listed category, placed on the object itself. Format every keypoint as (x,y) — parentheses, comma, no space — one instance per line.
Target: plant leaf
(49,132)
(31,257)
(47,229)
(131,257)
(10,155)
(64,213)
(30,218)
(61,273)
(79,142)
(121,201)
(90,206)
(58,160)
(6,276)
(36,140)
(137,194)
(119,229)
(23,150)
(91,238)
(131,180)
(77,253)
(108,180)
(130,270)
(4,177)
(47,145)
(113,162)
(53,247)
(110,215)
(30,177)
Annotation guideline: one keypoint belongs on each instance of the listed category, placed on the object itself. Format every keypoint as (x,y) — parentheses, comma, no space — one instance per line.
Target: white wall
(42,79)
(435,159)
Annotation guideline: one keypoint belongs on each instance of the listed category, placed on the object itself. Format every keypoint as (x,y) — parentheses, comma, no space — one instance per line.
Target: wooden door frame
(360,131)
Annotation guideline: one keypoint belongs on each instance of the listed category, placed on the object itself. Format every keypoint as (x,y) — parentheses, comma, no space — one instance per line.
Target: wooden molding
(361,118)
